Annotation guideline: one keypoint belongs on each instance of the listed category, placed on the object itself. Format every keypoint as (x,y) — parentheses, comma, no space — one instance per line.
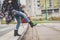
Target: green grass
(4,22)
(40,22)
(45,22)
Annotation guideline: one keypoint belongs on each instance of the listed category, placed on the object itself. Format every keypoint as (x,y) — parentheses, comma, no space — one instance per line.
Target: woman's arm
(26,13)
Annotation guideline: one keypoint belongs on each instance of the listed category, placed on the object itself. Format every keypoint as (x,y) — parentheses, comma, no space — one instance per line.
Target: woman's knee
(22,14)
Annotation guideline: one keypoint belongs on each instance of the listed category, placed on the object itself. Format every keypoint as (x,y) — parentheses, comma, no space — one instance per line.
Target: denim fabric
(19,14)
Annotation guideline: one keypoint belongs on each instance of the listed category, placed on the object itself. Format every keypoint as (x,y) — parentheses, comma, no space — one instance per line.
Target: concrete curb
(20,38)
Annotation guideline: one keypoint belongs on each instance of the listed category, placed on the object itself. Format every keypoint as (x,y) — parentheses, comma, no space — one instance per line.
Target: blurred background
(41,10)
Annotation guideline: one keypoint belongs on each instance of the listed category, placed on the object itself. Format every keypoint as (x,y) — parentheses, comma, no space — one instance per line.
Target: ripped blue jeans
(19,14)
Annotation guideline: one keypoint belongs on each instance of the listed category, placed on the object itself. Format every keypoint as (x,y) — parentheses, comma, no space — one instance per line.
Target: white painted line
(6,36)
(9,36)
(4,29)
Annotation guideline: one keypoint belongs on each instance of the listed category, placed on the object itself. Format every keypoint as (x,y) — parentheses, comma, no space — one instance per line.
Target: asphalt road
(5,29)
(46,31)
(49,31)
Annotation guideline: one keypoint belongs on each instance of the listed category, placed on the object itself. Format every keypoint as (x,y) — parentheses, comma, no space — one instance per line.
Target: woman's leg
(21,14)
(17,26)
(25,17)
(18,22)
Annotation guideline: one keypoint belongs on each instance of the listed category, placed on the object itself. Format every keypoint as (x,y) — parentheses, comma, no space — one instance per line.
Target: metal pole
(46,10)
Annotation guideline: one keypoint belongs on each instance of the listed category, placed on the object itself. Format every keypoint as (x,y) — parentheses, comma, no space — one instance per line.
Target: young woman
(12,6)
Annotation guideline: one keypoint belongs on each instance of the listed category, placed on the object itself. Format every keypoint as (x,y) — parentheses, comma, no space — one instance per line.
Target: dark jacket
(9,7)
(15,4)
(6,5)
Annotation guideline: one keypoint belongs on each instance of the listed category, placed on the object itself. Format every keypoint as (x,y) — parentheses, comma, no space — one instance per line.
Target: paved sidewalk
(10,35)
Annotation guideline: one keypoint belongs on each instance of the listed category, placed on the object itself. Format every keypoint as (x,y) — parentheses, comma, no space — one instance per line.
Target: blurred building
(50,5)
(33,7)
(38,7)
(1,1)
(59,5)
(18,1)
(0,4)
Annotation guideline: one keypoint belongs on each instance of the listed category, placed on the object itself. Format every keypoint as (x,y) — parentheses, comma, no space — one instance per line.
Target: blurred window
(56,10)
(46,11)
